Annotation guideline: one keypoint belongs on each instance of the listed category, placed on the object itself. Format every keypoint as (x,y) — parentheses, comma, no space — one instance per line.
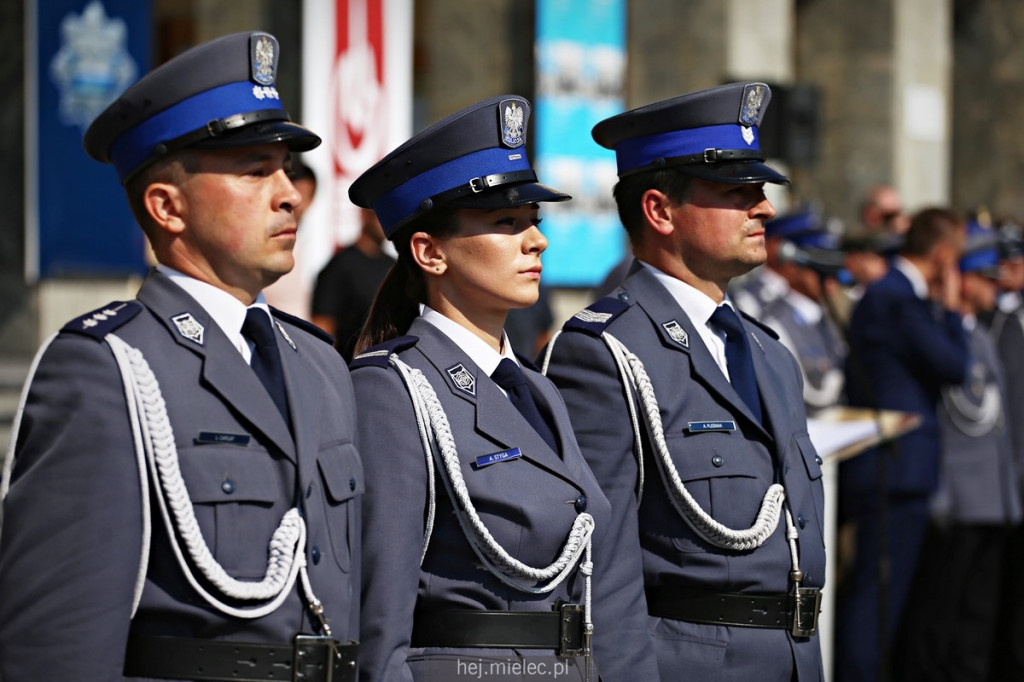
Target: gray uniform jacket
(726,469)
(977,473)
(72,522)
(528,504)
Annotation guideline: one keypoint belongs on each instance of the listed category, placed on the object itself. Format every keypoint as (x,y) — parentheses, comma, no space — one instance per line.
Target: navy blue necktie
(266,360)
(738,358)
(510,377)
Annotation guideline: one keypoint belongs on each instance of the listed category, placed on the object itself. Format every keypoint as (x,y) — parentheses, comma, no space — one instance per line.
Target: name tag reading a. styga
(700,427)
(495,457)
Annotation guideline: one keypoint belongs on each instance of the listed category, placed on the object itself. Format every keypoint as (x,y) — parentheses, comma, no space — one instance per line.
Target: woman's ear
(166,205)
(428,252)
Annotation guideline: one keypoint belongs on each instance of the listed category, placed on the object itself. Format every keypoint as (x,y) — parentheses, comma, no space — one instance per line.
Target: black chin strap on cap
(481,184)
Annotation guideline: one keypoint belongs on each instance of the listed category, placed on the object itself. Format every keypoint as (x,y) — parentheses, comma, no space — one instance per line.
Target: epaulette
(102,321)
(304,325)
(596,317)
(768,330)
(379,354)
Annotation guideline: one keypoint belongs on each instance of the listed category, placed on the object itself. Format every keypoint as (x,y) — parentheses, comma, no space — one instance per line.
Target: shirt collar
(697,305)
(485,357)
(911,272)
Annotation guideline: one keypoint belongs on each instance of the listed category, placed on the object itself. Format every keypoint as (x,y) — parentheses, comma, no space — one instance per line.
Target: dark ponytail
(404,288)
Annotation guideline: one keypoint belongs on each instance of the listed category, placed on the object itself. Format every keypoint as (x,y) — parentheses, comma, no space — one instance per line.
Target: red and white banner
(357,95)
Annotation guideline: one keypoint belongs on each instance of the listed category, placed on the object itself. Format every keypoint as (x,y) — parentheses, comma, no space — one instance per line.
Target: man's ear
(657,208)
(166,205)
(428,252)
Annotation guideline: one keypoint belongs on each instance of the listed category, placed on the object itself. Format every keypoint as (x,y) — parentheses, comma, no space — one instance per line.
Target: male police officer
(173,512)
(692,416)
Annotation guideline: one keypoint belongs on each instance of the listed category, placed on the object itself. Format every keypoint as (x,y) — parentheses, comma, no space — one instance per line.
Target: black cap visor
(296,137)
(735,173)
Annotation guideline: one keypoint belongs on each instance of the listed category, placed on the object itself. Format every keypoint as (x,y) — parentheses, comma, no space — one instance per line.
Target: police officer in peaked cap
(487,539)
(789,295)
(182,498)
(690,413)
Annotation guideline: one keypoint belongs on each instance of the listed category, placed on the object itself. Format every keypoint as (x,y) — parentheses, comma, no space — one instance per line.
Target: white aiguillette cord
(439,443)
(157,453)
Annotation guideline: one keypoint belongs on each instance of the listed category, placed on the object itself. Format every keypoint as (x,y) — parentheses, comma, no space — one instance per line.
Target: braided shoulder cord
(638,447)
(699,520)
(287,545)
(973,420)
(436,435)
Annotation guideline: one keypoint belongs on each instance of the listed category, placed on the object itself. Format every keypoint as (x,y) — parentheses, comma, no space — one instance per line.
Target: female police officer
(486,533)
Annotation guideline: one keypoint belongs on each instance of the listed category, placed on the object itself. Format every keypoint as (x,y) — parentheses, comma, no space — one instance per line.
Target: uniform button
(624,296)
(817,458)
(228,486)
(717,460)
(352,484)
(800,520)
(309,490)
(581,504)
(315,552)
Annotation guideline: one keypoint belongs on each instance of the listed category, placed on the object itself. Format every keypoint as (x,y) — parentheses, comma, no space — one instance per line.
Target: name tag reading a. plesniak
(495,457)
(698,427)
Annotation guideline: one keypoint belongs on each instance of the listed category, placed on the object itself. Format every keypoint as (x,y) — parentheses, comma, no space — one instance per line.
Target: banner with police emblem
(581,58)
(82,54)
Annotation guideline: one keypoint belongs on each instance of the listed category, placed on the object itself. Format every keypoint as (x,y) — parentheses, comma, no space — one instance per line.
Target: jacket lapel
(223,367)
(495,416)
(678,333)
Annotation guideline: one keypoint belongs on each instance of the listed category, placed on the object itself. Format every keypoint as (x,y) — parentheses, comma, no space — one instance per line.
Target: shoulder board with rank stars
(596,317)
(379,354)
(102,321)
(768,330)
(303,325)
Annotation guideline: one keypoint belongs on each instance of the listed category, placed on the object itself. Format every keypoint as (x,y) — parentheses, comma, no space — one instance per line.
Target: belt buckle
(806,607)
(570,630)
(316,658)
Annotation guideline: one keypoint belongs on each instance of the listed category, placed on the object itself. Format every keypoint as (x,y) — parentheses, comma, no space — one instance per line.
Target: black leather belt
(797,613)
(308,658)
(561,630)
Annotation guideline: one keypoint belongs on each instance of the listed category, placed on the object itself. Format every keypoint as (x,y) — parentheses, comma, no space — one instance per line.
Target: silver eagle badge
(512,118)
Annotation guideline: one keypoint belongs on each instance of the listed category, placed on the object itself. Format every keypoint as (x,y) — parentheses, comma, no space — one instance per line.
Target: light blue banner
(581,58)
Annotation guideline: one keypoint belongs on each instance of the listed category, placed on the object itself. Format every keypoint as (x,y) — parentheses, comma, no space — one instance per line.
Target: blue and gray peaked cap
(218,94)
(711,134)
(475,158)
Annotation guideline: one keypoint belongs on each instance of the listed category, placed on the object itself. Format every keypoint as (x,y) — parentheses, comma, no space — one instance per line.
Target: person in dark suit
(173,511)
(487,550)
(690,414)
(906,341)
(953,605)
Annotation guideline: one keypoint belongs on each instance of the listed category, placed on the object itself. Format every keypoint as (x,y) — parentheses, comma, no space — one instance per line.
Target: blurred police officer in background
(485,567)
(906,341)
(951,614)
(182,501)
(1007,325)
(788,294)
(709,430)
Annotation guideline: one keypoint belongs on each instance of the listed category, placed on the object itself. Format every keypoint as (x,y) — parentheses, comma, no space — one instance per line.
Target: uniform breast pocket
(341,472)
(239,495)
(717,471)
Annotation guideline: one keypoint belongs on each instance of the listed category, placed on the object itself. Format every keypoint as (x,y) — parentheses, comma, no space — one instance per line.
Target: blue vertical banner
(83,54)
(581,58)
